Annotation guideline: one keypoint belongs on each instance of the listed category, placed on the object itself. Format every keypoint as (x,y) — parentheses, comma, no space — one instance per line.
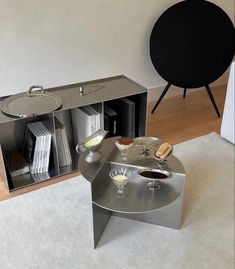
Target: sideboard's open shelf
(98,94)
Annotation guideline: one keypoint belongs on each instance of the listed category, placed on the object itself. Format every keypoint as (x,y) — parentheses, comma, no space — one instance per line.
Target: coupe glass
(120,178)
(145,142)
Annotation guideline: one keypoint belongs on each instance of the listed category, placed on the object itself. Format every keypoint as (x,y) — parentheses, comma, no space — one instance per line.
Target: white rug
(48,228)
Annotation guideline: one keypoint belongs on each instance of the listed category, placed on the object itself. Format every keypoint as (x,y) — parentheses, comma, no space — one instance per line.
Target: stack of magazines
(37,147)
(86,121)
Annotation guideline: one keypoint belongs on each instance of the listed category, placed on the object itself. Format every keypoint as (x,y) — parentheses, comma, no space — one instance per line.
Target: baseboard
(154,93)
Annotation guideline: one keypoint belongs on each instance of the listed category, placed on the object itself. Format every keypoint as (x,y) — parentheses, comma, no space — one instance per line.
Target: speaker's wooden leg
(185,89)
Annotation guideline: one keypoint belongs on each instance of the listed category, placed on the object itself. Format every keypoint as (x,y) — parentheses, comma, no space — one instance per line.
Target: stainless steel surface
(110,154)
(162,206)
(139,199)
(109,89)
(94,92)
(101,218)
(31,104)
(169,216)
(81,90)
(89,89)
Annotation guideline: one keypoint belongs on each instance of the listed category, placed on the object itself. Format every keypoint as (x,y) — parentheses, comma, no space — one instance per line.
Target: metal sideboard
(98,92)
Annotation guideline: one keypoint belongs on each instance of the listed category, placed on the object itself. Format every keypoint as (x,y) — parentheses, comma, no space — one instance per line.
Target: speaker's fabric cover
(192,43)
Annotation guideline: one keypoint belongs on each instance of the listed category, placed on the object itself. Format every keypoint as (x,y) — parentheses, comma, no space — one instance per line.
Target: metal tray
(145,140)
(30,103)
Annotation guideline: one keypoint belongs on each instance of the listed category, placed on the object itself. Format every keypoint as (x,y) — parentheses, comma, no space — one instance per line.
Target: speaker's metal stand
(184,95)
(161,97)
(212,100)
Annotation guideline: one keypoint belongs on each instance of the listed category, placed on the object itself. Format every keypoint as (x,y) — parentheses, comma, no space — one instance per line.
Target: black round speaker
(192,43)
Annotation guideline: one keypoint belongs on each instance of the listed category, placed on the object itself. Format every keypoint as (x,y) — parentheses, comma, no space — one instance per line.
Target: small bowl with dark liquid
(154,176)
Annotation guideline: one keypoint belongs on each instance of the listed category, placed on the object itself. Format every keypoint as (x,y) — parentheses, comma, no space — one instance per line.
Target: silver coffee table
(162,207)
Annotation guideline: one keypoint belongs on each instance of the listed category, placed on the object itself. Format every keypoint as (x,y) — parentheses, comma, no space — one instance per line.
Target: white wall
(56,42)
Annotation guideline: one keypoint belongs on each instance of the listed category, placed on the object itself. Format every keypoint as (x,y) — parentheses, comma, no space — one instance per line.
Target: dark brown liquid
(152,174)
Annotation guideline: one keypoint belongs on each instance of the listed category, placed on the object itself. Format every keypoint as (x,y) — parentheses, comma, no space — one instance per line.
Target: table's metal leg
(97,216)
(101,217)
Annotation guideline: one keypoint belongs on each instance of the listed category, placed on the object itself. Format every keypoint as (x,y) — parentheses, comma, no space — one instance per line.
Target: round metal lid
(31,103)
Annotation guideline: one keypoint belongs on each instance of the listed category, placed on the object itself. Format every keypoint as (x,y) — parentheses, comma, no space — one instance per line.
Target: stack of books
(37,147)
(63,149)
(125,111)
(111,121)
(40,177)
(86,121)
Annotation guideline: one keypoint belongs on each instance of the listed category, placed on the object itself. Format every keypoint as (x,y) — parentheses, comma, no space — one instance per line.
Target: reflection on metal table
(161,207)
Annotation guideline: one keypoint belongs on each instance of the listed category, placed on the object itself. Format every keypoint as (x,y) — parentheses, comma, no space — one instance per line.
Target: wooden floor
(178,119)
(175,120)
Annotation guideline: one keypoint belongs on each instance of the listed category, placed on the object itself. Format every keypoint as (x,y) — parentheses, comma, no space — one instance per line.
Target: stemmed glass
(120,178)
(144,142)
(123,149)
(162,161)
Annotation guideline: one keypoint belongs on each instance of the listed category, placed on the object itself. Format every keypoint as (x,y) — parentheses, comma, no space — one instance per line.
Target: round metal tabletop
(139,199)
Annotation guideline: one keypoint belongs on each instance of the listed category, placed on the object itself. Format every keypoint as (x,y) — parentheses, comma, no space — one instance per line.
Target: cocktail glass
(123,149)
(145,142)
(120,178)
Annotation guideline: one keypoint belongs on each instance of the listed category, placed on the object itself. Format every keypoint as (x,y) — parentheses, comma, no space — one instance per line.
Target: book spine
(68,158)
(33,167)
(47,153)
(132,123)
(41,158)
(41,130)
(111,124)
(75,123)
(106,125)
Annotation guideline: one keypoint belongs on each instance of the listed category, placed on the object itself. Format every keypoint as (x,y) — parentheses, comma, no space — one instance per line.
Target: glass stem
(120,189)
